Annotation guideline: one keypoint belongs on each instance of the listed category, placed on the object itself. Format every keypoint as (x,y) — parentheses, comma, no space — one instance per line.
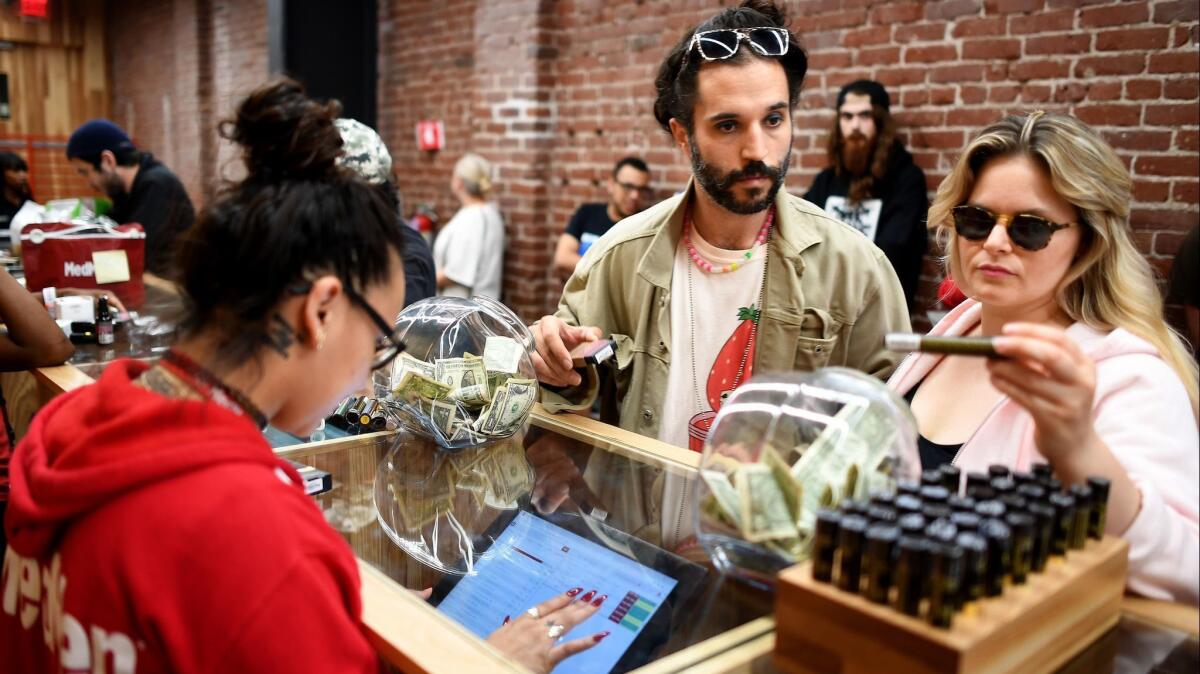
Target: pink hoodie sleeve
(1145,418)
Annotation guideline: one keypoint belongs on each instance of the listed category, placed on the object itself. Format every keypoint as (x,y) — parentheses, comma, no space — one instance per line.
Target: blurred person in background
(872,183)
(469,250)
(629,192)
(16,187)
(142,190)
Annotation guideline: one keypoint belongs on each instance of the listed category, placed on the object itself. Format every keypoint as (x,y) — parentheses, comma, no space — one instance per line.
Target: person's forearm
(33,339)
(1095,459)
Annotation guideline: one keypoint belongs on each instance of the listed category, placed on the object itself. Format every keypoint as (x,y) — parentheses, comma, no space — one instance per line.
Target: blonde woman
(1034,223)
(469,250)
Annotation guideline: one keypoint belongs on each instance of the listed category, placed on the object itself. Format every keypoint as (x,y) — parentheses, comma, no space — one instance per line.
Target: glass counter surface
(568,500)
(146,336)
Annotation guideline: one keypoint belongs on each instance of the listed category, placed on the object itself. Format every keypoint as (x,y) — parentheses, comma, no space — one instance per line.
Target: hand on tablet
(535,642)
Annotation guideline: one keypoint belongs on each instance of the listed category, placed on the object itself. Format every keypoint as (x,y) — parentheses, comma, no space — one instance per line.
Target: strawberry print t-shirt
(716,315)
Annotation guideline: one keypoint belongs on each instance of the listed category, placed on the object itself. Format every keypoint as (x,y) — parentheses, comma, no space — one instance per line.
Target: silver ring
(555,631)
(533,613)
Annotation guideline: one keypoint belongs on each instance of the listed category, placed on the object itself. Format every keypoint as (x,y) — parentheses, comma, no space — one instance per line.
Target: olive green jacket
(831,296)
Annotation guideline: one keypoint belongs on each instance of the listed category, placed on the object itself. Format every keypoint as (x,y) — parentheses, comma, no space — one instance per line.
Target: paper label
(112,266)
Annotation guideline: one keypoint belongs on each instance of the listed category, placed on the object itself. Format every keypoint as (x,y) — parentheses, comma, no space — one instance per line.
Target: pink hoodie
(1142,413)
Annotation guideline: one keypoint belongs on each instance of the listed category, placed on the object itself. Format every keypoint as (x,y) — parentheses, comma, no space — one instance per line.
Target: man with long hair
(14,191)
(872,183)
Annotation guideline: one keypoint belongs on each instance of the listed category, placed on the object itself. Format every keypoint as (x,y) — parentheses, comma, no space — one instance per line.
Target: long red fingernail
(588,596)
(507,620)
(574,591)
(600,637)
(599,600)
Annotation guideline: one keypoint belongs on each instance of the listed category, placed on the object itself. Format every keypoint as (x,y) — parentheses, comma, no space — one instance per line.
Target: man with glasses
(628,193)
(732,277)
(872,183)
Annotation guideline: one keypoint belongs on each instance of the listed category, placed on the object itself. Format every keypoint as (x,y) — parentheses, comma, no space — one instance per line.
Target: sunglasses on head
(722,43)
(1031,232)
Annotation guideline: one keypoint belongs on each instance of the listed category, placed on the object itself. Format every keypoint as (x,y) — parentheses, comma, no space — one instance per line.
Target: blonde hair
(476,175)
(1109,284)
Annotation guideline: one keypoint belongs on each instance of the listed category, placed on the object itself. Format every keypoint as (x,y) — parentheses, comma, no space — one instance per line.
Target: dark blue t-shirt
(589,223)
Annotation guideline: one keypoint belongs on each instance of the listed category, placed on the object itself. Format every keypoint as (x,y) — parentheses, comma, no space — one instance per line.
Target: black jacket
(157,202)
(901,232)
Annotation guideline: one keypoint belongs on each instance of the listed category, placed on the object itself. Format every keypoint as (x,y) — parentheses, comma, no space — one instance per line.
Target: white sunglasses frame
(743,35)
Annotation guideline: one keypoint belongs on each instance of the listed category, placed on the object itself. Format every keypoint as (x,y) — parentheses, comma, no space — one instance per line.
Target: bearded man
(872,183)
(730,278)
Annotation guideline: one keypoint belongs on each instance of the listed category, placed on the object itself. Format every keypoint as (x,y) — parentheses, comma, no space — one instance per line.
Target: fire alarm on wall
(431,135)
(33,9)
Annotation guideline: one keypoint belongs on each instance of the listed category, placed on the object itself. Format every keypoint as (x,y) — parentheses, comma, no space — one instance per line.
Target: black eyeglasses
(722,43)
(1031,232)
(642,190)
(389,345)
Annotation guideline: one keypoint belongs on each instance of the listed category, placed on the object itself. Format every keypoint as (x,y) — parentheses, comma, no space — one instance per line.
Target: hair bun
(774,13)
(285,134)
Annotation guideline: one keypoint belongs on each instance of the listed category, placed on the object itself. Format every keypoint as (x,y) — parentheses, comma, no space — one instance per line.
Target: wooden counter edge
(414,637)
(1182,617)
(61,378)
(730,651)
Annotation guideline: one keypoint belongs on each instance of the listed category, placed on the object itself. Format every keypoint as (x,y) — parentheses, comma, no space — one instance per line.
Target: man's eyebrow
(722,116)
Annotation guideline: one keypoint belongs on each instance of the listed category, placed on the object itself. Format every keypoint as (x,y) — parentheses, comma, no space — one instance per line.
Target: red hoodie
(156,535)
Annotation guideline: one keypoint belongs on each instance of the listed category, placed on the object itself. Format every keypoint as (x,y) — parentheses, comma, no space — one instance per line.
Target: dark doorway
(332,47)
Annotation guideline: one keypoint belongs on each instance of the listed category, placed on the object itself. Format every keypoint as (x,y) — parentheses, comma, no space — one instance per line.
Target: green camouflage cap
(364,152)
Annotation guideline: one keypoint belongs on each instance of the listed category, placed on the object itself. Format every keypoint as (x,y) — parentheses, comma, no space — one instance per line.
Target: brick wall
(556,92)
(176,68)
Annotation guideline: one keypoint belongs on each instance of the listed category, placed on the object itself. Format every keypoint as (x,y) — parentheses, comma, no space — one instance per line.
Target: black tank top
(932,454)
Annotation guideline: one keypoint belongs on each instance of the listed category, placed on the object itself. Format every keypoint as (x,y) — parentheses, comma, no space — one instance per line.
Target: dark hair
(10,161)
(676,80)
(863,187)
(124,156)
(635,162)
(295,214)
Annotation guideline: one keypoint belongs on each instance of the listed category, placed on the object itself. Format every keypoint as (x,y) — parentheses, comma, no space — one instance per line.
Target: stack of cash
(470,399)
(773,503)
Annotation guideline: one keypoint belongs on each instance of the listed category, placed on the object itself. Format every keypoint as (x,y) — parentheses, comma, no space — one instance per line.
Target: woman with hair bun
(469,250)
(150,525)
(1034,221)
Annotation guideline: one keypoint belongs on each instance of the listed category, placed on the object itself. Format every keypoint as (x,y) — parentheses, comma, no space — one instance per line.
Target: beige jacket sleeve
(883,311)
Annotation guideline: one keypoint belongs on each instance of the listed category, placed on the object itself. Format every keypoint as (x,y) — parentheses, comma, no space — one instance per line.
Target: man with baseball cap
(365,154)
(872,183)
(142,189)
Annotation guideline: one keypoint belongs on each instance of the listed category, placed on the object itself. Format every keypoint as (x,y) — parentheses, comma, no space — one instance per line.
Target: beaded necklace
(707,266)
(209,385)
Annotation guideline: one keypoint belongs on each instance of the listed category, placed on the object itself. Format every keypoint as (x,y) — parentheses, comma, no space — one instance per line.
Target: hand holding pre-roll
(554,340)
(538,638)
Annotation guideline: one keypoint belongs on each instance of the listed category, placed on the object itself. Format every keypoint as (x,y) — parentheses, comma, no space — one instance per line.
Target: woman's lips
(994,271)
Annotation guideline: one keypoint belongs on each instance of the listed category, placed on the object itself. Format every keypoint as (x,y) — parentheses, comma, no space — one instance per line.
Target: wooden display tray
(1031,628)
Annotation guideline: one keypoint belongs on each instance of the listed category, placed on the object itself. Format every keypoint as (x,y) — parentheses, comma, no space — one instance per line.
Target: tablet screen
(533,560)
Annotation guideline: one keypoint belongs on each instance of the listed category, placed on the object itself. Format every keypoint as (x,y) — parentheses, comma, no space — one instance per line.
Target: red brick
(1042,22)
(1058,44)
(869,56)
(867,36)
(972,94)
(1035,93)
(922,118)
(894,77)
(1139,90)
(1132,39)
(991,49)
(1107,114)
(1182,89)
(1186,191)
(941,140)
(1172,114)
(1166,165)
(1003,93)
(1180,10)
(1012,6)
(842,19)
(1162,218)
(986,26)
(914,97)
(1130,64)
(951,9)
(1123,14)
(930,54)
(942,95)
(904,12)
(1151,192)
(1038,70)
(1138,140)
(1187,140)
(921,32)
(1167,243)
(956,73)
(973,118)
(827,60)
(1104,91)
(1179,62)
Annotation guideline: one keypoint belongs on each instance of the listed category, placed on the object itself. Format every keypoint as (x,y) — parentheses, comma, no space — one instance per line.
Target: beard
(856,154)
(112,186)
(720,185)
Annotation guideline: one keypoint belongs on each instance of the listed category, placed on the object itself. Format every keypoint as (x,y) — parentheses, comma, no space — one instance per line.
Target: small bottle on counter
(944,587)
(1021,526)
(911,570)
(1099,513)
(999,556)
(1064,522)
(1083,515)
(881,541)
(1043,533)
(975,562)
(825,537)
(104,322)
(851,544)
